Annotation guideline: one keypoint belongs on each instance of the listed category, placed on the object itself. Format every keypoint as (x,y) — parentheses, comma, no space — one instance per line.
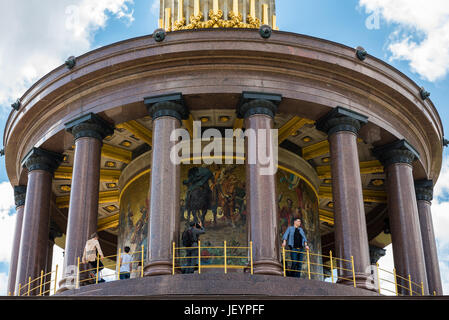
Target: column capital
(397,152)
(40,159)
(376,253)
(20,195)
(341,119)
(90,125)
(252,103)
(424,190)
(168,105)
(55,232)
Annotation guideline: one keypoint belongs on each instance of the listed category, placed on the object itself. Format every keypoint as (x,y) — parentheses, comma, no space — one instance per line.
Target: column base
(159,268)
(66,284)
(268,267)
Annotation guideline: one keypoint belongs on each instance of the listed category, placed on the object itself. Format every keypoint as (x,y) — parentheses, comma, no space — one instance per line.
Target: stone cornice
(314,72)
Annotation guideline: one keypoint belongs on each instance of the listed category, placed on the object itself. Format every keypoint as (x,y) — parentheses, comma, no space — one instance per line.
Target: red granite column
(89,132)
(424,196)
(258,110)
(41,165)
(403,214)
(19,195)
(163,227)
(351,237)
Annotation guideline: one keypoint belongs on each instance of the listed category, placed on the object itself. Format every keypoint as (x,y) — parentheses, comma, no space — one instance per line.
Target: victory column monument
(358,146)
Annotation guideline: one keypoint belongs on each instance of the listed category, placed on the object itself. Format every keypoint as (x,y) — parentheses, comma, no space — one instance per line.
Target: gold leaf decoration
(217,21)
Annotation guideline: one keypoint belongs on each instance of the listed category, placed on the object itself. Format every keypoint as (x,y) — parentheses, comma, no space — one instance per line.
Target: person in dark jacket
(296,240)
(196,230)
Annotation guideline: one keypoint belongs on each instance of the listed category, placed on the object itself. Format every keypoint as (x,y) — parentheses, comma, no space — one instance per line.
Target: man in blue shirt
(126,266)
(296,239)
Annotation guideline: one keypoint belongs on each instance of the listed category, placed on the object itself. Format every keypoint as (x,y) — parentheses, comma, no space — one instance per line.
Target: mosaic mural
(133,224)
(216,196)
(297,199)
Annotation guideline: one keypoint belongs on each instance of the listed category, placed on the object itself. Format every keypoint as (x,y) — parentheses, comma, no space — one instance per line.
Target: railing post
(20,289)
(98,268)
(141,262)
(283,258)
(225,259)
(174,258)
(40,284)
(378,277)
(410,284)
(251,255)
(353,271)
(77,285)
(308,263)
(29,285)
(395,281)
(422,288)
(332,266)
(119,257)
(199,257)
(56,279)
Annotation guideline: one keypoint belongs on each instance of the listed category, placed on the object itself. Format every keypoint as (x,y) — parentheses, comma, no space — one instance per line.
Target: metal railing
(225,257)
(402,285)
(40,286)
(92,275)
(230,257)
(346,272)
(332,266)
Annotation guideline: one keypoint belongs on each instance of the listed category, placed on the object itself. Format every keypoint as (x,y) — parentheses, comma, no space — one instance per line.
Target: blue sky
(400,34)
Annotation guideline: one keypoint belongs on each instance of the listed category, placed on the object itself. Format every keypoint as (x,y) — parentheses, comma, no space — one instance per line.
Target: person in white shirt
(126,266)
(91,249)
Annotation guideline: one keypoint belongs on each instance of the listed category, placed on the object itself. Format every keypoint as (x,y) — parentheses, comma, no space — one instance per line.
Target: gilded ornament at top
(216,21)
(241,14)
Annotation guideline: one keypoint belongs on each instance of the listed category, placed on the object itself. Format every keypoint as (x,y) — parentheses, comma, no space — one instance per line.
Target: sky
(37,36)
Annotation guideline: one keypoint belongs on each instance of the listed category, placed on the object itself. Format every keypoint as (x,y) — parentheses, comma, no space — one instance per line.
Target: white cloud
(7,226)
(38,35)
(444,270)
(3,284)
(440,209)
(155,7)
(421,36)
(7,222)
